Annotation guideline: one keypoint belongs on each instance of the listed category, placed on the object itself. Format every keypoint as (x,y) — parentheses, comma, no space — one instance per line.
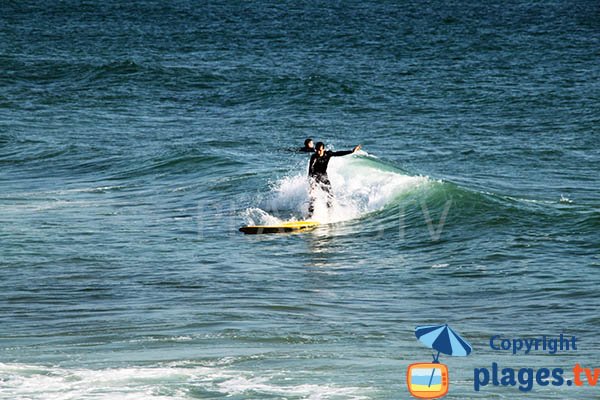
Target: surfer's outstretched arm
(346,152)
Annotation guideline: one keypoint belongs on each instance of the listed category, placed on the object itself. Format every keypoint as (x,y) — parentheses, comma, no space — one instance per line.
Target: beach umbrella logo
(431,380)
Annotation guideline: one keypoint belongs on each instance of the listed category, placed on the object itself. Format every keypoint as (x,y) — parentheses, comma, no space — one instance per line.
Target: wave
(361,185)
(173,164)
(62,158)
(375,193)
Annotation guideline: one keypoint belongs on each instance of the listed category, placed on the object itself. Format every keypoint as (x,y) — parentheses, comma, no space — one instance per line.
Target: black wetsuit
(317,172)
(307,150)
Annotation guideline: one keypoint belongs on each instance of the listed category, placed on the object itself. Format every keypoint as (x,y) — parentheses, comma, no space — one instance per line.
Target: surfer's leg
(326,185)
(312,198)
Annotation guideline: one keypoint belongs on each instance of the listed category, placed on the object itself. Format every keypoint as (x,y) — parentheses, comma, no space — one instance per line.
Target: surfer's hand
(356,148)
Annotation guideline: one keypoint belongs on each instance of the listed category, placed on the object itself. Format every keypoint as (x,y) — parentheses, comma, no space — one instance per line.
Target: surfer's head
(320,148)
(308,144)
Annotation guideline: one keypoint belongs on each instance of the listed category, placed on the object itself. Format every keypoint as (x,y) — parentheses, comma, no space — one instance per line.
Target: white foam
(359,187)
(565,200)
(241,385)
(171,381)
(257,216)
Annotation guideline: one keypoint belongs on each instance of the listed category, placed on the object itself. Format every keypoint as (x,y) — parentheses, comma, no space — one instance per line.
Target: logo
(431,380)
(427,380)
(526,379)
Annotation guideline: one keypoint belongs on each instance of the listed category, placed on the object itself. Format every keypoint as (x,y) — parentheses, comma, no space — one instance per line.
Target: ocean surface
(137,137)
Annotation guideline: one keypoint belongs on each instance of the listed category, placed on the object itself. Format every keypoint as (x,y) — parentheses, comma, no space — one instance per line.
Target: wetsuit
(307,150)
(317,173)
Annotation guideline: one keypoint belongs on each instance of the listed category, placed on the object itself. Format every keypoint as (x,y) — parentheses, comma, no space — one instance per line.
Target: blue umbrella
(443,339)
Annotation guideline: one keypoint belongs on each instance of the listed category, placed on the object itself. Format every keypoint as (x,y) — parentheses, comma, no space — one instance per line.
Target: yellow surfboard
(295,226)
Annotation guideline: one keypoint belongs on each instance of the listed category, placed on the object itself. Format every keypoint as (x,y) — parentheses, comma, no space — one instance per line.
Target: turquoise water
(135,139)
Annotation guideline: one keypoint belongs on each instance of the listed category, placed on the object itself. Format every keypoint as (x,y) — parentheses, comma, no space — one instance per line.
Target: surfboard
(295,226)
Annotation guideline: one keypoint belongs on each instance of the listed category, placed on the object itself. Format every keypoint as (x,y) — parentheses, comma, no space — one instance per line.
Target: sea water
(137,137)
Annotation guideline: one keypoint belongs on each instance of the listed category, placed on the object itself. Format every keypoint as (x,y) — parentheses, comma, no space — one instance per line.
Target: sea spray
(361,185)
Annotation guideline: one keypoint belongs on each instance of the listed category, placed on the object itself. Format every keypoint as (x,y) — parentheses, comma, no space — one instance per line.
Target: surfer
(317,173)
(309,146)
